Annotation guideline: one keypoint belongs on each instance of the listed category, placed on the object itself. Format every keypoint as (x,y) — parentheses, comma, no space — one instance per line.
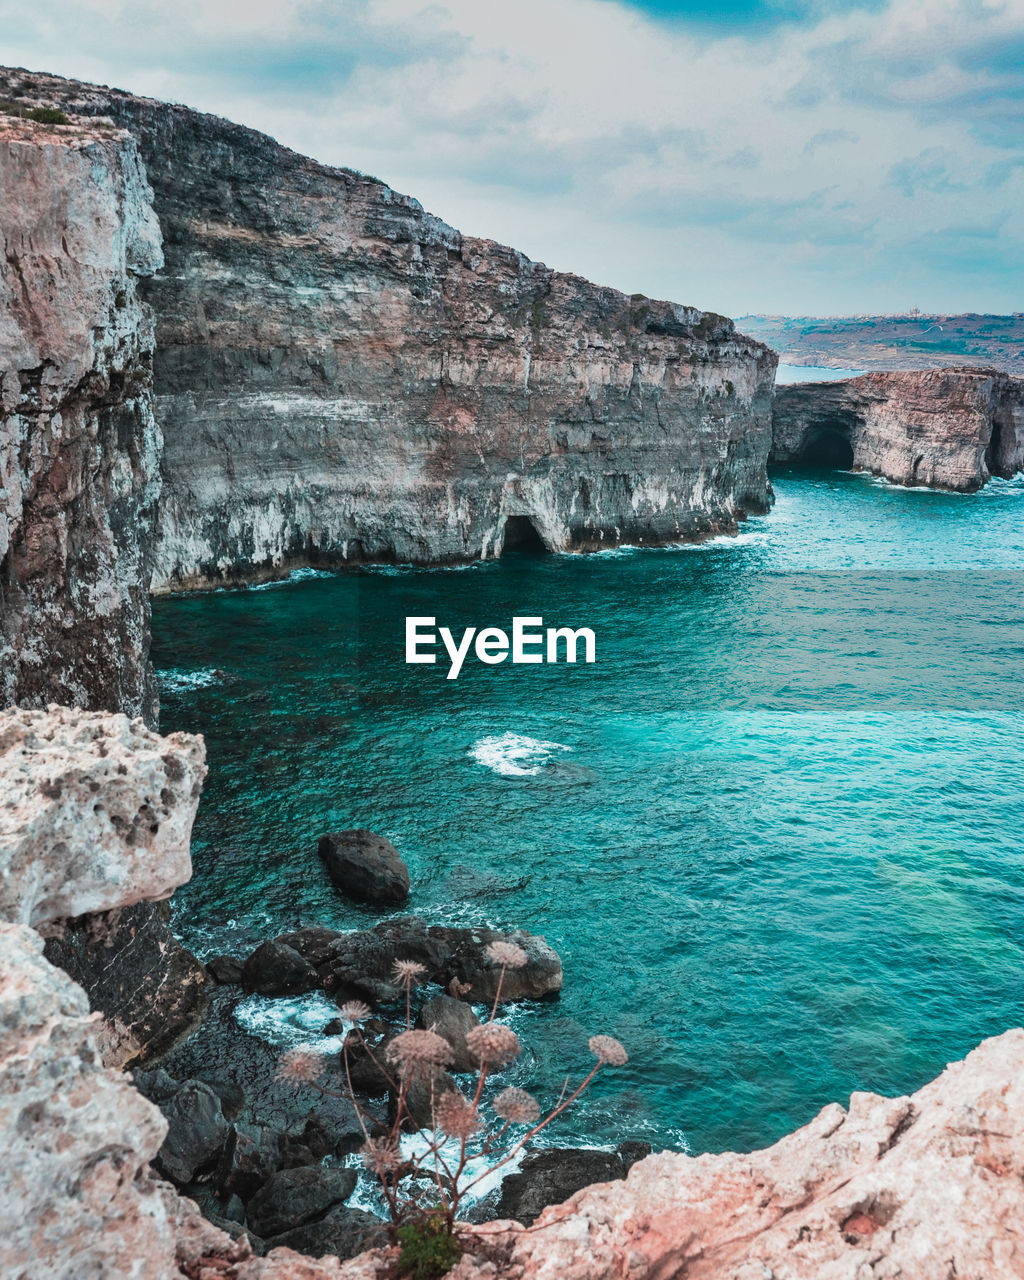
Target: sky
(750,156)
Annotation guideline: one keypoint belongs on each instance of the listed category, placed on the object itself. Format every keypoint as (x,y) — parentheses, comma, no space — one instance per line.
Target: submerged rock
(365,867)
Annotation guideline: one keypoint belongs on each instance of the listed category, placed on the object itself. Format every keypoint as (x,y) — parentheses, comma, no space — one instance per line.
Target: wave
(296,575)
(291,1023)
(513,755)
(174,681)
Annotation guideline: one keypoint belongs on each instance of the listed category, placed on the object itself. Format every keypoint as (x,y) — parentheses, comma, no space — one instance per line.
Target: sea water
(774,831)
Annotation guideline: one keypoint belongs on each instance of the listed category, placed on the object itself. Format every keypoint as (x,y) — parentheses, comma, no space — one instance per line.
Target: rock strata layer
(944,428)
(341,376)
(79,446)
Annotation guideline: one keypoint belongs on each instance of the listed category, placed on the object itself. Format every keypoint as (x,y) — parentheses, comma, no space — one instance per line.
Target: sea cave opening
(521,536)
(827,445)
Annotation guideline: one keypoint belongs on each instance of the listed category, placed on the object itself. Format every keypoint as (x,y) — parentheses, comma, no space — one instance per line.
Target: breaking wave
(513,755)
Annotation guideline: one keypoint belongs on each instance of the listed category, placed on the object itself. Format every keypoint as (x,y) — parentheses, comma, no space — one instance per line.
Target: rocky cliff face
(342,377)
(945,428)
(79,447)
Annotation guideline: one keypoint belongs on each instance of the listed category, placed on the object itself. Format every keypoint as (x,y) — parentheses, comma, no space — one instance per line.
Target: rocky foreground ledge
(921,1188)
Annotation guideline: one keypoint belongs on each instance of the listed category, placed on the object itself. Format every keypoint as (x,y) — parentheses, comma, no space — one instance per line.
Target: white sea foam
(175,681)
(297,1021)
(513,755)
(296,575)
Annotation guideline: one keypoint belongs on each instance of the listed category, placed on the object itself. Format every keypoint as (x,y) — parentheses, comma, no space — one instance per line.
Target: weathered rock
(294,1197)
(276,970)
(343,1232)
(75,1197)
(421,1096)
(451,1019)
(96,812)
(365,1050)
(251,1154)
(196,1132)
(920,1187)
(365,867)
(945,428)
(226,970)
(79,446)
(539,977)
(314,943)
(149,988)
(552,1176)
(362,963)
(369,384)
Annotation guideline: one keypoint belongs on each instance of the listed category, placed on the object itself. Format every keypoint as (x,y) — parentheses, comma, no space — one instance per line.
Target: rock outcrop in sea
(944,428)
(342,377)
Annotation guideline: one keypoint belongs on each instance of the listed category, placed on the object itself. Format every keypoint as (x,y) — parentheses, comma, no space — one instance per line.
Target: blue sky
(814,157)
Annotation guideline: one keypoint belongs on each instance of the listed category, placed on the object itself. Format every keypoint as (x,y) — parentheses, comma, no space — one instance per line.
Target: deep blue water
(775,830)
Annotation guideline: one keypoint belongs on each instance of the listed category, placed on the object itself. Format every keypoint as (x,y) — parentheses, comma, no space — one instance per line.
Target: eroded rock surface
(945,428)
(96,812)
(909,1188)
(79,446)
(341,376)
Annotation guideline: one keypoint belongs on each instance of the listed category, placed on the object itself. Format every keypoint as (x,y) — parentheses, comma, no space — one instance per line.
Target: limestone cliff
(342,377)
(945,428)
(79,447)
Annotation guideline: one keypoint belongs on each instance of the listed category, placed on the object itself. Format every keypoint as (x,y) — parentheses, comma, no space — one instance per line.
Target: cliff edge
(79,446)
(341,377)
(944,428)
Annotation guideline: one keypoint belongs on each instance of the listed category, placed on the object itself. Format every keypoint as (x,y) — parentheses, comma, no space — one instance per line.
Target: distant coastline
(908,341)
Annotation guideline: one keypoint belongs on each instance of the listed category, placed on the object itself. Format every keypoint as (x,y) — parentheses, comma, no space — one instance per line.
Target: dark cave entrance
(994,450)
(521,536)
(827,445)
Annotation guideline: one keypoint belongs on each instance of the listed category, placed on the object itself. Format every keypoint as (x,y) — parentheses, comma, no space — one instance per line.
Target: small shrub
(46,115)
(428,1249)
(457,1130)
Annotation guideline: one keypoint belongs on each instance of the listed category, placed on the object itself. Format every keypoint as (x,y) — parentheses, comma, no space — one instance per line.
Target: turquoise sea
(775,831)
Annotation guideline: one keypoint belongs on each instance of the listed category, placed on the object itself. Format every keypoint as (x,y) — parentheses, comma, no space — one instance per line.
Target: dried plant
(424,1192)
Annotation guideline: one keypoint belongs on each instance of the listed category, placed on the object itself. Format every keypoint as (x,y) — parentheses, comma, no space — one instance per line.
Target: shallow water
(774,831)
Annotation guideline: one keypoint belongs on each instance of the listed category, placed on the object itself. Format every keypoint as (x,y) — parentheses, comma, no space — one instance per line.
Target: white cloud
(854,163)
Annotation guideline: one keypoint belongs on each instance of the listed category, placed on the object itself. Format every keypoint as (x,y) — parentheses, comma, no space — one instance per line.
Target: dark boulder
(344,1233)
(156,1085)
(313,943)
(196,1132)
(539,977)
(551,1177)
(451,1019)
(365,867)
(251,1155)
(364,1052)
(232,1096)
(274,969)
(297,1196)
(361,964)
(137,974)
(226,970)
(421,1096)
